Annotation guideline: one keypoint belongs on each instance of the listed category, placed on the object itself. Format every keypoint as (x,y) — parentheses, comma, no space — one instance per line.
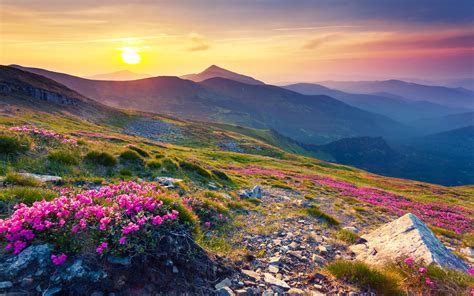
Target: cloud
(318,41)
(199,42)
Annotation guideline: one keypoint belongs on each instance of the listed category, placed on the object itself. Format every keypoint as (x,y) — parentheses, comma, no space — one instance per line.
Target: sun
(130,56)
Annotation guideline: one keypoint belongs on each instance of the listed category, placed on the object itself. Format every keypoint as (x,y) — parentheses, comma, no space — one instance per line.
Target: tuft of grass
(316,212)
(101,158)
(26,195)
(21,180)
(131,156)
(194,168)
(140,151)
(159,155)
(347,236)
(153,164)
(10,144)
(364,276)
(169,165)
(64,157)
(444,232)
(221,175)
(125,172)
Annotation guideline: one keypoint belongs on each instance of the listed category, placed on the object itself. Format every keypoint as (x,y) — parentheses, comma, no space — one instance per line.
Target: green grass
(10,144)
(131,156)
(26,195)
(169,165)
(21,180)
(194,168)
(101,158)
(153,164)
(63,157)
(364,276)
(316,212)
(347,236)
(140,151)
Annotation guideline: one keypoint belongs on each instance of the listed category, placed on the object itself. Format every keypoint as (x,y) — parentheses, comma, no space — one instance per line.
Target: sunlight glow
(130,56)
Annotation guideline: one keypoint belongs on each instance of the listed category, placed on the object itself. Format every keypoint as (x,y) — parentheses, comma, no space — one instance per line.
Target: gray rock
(270,279)
(6,285)
(255,192)
(167,181)
(78,271)
(125,261)
(52,291)
(34,258)
(42,178)
(407,236)
(351,229)
(295,292)
(225,291)
(251,274)
(224,283)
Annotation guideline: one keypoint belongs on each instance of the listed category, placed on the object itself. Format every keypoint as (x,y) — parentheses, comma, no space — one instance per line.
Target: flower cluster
(110,218)
(47,134)
(454,218)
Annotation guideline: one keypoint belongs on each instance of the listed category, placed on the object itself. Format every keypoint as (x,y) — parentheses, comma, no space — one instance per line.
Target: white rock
(270,279)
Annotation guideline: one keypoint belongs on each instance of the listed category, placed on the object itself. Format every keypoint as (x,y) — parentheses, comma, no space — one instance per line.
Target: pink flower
(156,220)
(59,259)
(122,240)
(422,270)
(429,282)
(470,271)
(207,224)
(131,227)
(409,261)
(101,247)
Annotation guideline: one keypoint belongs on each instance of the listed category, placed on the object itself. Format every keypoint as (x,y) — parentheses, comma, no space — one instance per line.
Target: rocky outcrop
(37,93)
(42,178)
(255,192)
(407,236)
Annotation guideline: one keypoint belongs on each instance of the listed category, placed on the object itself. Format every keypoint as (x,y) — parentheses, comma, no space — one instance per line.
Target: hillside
(454,97)
(444,123)
(215,71)
(119,75)
(308,119)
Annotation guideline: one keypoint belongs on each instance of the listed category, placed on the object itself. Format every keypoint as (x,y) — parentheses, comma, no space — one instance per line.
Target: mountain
(119,75)
(444,123)
(215,71)
(455,97)
(392,106)
(308,119)
(22,88)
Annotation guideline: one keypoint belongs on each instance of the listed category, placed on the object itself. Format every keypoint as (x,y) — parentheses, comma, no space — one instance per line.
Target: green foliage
(26,195)
(194,168)
(169,165)
(125,172)
(101,158)
(153,164)
(444,232)
(131,156)
(140,151)
(10,144)
(347,236)
(159,155)
(221,175)
(64,157)
(364,276)
(185,215)
(316,212)
(21,180)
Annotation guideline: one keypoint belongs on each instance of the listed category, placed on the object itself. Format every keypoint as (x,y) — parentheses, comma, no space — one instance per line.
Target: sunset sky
(275,41)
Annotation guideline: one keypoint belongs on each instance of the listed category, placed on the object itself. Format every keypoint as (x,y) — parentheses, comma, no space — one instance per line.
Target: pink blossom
(471,271)
(429,282)
(122,240)
(409,261)
(59,259)
(207,224)
(423,270)
(101,247)
(131,227)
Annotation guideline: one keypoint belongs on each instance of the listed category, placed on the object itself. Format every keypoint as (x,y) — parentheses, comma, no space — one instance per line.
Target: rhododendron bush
(455,218)
(44,134)
(122,219)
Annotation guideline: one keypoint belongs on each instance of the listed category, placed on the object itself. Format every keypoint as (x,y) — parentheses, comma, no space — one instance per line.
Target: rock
(351,229)
(407,236)
(242,292)
(255,192)
(322,249)
(468,251)
(225,291)
(77,272)
(251,274)
(6,285)
(52,291)
(35,258)
(268,293)
(276,260)
(270,279)
(273,269)
(224,283)
(125,261)
(167,181)
(295,292)
(42,178)
(212,186)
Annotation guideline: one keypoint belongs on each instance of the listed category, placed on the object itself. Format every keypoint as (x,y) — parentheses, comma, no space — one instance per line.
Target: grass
(347,236)
(131,156)
(194,168)
(63,157)
(364,276)
(169,165)
(21,180)
(140,151)
(10,144)
(27,195)
(101,158)
(316,212)
(153,164)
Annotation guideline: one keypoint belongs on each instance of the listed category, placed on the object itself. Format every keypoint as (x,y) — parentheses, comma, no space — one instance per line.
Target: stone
(125,261)
(78,271)
(351,229)
(270,279)
(212,186)
(224,283)
(407,236)
(255,192)
(251,274)
(167,181)
(242,292)
(268,293)
(295,292)
(52,291)
(36,258)
(322,249)
(42,178)
(6,285)
(273,269)
(276,260)
(225,291)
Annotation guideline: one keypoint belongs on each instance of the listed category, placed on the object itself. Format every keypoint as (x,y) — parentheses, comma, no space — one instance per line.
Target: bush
(125,172)
(159,155)
(364,276)
(316,212)
(63,157)
(221,175)
(22,180)
(194,168)
(101,158)
(347,236)
(169,165)
(131,156)
(140,151)
(153,164)
(26,195)
(10,144)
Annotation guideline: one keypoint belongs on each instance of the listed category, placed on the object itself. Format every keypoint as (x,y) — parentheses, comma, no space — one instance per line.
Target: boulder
(405,237)
(32,260)
(42,178)
(255,192)
(167,182)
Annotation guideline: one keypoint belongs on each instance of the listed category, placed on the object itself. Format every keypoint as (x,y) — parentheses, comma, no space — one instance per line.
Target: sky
(275,41)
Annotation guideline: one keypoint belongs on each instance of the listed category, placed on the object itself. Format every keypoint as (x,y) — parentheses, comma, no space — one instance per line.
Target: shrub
(347,236)
(10,144)
(131,156)
(27,195)
(125,172)
(124,219)
(316,212)
(22,180)
(159,155)
(101,158)
(210,212)
(221,175)
(169,165)
(63,157)
(364,276)
(153,164)
(194,168)
(140,151)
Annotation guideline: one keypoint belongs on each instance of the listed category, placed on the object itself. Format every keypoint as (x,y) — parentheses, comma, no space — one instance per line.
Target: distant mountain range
(308,119)
(215,71)
(119,75)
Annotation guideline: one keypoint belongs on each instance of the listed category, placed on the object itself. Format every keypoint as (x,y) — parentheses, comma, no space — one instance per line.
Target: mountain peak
(214,71)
